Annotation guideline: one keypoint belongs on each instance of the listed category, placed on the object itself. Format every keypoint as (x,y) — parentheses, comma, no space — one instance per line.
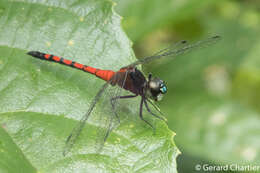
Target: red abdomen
(102,74)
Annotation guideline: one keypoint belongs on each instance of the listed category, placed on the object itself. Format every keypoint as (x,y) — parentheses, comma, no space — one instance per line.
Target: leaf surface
(40,102)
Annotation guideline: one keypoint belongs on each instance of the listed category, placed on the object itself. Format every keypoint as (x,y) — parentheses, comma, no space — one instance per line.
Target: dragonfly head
(156,88)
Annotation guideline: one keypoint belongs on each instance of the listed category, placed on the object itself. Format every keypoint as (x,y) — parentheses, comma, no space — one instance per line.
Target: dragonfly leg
(141,115)
(112,101)
(155,107)
(148,109)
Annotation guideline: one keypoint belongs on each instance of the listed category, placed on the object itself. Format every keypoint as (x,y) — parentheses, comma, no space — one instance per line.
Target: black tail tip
(32,53)
(36,54)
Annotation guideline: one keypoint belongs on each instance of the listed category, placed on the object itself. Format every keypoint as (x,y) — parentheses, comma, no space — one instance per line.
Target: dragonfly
(130,78)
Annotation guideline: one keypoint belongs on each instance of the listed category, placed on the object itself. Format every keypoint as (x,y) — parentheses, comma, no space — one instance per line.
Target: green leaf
(40,102)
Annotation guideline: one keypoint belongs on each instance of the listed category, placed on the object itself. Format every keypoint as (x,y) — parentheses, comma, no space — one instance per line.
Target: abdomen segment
(103,74)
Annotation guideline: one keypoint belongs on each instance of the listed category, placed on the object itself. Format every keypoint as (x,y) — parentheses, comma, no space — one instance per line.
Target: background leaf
(40,102)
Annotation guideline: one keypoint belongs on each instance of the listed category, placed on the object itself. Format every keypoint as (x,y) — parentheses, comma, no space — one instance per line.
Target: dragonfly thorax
(155,88)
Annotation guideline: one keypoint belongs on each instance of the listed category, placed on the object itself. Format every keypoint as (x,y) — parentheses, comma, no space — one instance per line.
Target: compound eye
(163,88)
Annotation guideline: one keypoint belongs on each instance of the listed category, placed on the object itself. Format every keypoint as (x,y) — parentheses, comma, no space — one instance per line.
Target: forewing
(178,49)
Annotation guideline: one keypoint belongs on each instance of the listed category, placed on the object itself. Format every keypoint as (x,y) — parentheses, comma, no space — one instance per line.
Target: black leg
(141,115)
(112,101)
(155,107)
(148,109)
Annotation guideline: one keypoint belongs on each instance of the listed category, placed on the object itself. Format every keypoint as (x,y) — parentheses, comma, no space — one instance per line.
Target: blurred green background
(213,93)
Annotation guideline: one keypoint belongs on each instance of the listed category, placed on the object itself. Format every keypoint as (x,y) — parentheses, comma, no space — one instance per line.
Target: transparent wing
(105,117)
(78,128)
(109,119)
(171,47)
(175,50)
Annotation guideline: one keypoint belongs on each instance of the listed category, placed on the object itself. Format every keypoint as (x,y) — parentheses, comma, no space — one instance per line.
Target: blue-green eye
(163,89)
